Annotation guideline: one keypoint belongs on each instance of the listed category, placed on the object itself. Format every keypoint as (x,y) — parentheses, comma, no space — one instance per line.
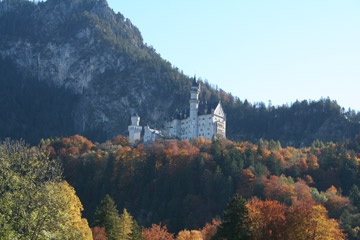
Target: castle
(200,120)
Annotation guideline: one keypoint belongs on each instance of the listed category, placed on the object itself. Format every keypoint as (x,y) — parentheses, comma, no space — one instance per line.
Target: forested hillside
(184,185)
(76,67)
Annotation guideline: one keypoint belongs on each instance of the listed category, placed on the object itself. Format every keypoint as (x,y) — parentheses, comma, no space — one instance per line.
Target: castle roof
(154,130)
(204,109)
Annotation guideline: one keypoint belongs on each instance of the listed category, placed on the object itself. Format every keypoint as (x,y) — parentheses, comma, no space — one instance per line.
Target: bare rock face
(84,47)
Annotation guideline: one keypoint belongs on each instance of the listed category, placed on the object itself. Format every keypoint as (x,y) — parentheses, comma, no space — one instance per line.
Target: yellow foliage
(70,207)
(189,235)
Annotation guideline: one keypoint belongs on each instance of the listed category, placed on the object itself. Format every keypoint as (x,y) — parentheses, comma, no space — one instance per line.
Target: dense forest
(76,67)
(188,184)
(173,189)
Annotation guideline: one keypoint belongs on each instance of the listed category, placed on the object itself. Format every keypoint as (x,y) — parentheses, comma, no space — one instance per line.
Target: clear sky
(260,50)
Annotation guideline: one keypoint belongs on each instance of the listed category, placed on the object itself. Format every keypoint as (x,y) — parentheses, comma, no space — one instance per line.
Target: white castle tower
(135,129)
(203,119)
(194,108)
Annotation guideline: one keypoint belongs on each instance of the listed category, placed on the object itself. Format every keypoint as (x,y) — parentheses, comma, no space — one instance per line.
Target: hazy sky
(261,50)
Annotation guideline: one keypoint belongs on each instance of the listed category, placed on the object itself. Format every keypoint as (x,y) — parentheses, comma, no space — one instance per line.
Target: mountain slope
(74,66)
(94,54)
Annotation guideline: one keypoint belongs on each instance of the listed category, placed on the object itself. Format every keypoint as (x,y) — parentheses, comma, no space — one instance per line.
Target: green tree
(235,225)
(355,195)
(126,225)
(34,203)
(136,231)
(106,215)
(260,147)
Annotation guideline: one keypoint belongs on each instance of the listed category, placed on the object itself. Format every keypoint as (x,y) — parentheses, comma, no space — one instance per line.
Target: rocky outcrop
(110,81)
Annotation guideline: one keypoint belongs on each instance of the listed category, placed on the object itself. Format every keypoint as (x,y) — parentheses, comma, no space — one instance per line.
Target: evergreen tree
(235,225)
(106,215)
(126,225)
(136,231)
(260,146)
(355,196)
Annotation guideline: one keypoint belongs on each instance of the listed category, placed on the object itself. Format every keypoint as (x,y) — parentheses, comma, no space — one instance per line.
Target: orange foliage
(266,153)
(99,233)
(242,146)
(322,227)
(156,232)
(189,235)
(303,166)
(335,202)
(69,147)
(267,218)
(277,190)
(121,140)
(209,230)
(313,162)
(301,221)
(126,160)
(174,154)
(246,182)
(303,191)
(286,154)
(309,180)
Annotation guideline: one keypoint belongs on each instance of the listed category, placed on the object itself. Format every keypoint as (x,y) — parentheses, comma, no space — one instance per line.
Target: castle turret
(135,129)
(194,107)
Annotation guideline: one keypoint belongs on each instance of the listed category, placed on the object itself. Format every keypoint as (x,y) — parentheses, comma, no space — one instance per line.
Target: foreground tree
(64,199)
(156,232)
(209,230)
(106,215)
(189,235)
(235,225)
(34,203)
(129,229)
(267,219)
(99,233)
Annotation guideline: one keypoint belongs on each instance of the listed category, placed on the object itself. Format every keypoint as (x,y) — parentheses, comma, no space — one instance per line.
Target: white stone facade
(151,134)
(135,129)
(200,120)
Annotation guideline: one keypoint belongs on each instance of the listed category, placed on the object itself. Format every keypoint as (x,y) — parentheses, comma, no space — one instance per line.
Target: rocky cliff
(94,54)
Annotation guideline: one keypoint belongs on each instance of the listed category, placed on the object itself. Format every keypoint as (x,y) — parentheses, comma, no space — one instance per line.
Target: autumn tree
(321,227)
(298,221)
(246,183)
(280,188)
(99,233)
(157,232)
(267,219)
(63,198)
(235,223)
(34,202)
(335,203)
(210,229)
(189,235)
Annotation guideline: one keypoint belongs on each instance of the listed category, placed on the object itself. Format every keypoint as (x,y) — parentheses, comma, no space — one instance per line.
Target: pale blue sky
(261,50)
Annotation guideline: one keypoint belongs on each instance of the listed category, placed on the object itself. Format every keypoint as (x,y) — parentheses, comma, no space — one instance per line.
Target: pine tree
(355,196)
(260,148)
(235,225)
(136,231)
(106,215)
(126,225)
